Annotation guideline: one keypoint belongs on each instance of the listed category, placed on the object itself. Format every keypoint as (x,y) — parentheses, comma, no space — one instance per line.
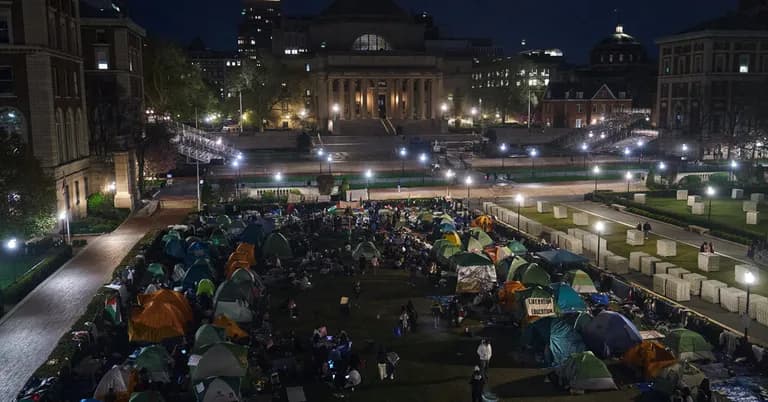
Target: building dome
(618,49)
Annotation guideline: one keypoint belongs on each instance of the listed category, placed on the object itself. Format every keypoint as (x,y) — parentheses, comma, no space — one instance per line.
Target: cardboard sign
(540,306)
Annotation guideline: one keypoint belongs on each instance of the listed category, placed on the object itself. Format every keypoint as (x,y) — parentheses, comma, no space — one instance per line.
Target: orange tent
(484,222)
(491,253)
(249,250)
(233,330)
(170,297)
(155,322)
(234,265)
(507,295)
(242,255)
(649,356)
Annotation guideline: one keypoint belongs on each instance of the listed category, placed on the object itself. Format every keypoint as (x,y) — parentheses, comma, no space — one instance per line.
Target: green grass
(436,363)
(13,266)
(724,211)
(577,165)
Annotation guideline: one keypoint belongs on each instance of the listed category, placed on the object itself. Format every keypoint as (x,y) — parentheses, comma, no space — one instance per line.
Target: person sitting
(353,379)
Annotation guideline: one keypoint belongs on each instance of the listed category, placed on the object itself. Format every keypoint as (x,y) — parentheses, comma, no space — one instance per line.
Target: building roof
(368,8)
(589,90)
(619,37)
(757,21)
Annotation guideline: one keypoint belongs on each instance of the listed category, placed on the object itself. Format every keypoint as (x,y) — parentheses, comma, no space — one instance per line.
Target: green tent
(688,345)
(580,281)
(366,250)
(445,218)
(425,216)
(470,259)
(146,396)
(219,239)
(481,236)
(276,245)
(153,358)
(231,291)
(473,245)
(208,334)
(205,287)
(515,264)
(242,275)
(438,244)
(445,253)
(585,372)
(156,269)
(223,359)
(172,234)
(517,247)
(211,389)
(536,292)
(533,274)
(223,220)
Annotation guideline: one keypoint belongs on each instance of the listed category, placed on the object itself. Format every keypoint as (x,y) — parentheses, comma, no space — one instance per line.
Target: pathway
(31,330)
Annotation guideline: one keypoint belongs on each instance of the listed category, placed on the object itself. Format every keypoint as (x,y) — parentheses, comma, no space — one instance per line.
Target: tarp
(208,334)
(118,379)
(557,257)
(233,330)
(688,345)
(585,372)
(221,359)
(531,275)
(211,389)
(650,357)
(483,222)
(553,337)
(205,287)
(580,281)
(507,295)
(475,272)
(170,297)
(566,299)
(276,245)
(517,247)
(366,250)
(454,238)
(156,322)
(481,236)
(610,334)
(156,361)
(146,396)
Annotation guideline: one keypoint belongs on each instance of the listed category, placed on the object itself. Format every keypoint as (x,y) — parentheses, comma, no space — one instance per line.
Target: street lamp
(278,179)
(711,194)
(236,165)
(468,181)
(449,175)
(403,154)
(519,200)
(444,109)
(585,150)
(595,172)
(330,160)
(368,176)
(336,109)
(503,151)
(64,216)
(640,144)
(320,153)
(684,148)
(12,244)
(599,228)
(423,160)
(629,179)
(533,154)
(733,166)
(749,280)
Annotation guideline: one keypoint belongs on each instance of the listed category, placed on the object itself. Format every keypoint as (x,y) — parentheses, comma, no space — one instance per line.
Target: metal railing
(200,145)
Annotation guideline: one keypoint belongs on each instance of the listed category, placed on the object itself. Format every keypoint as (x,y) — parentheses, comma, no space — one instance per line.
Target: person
(484,352)
(476,381)
(353,379)
(404,319)
(392,360)
(130,275)
(437,310)
(639,227)
(413,316)
(361,265)
(381,362)
(703,248)
(704,394)
(357,290)
(646,229)
(711,248)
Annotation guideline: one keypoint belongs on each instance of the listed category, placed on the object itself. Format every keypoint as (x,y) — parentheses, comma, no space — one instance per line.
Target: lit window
(6,81)
(743,63)
(307,67)
(370,43)
(308,92)
(102,59)
(253,42)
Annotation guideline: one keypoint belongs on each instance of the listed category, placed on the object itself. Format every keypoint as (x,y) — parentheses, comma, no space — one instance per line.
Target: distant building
(215,66)
(259,20)
(578,104)
(704,70)
(42,93)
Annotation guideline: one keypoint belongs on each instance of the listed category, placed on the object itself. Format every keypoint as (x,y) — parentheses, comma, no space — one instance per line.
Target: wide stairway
(364,127)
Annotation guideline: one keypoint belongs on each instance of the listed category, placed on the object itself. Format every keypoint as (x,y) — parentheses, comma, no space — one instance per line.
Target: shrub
(691,183)
(343,188)
(719,179)
(325,184)
(303,142)
(27,282)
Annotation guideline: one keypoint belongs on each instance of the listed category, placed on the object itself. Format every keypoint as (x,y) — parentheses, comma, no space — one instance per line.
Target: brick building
(577,105)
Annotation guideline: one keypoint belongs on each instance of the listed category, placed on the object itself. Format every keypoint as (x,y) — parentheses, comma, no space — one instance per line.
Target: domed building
(618,51)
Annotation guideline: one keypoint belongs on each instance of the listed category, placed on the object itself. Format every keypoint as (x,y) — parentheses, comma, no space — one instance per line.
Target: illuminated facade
(259,20)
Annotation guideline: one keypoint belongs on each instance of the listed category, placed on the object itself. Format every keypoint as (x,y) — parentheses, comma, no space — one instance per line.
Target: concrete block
(749,206)
(590,243)
(737,194)
(677,272)
(580,234)
(560,212)
(640,198)
(754,300)
(634,259)
(574,245)
(681,195)
(660,283)
(581,219)
(729,298)
(710,290)
(617,264)
(692,199)
(757,197)
(554,237)
(635,237)
(543,206)
(740,271)
(695,281)
(648,265)
(753,218)
(678,290)
(664,267)
(709,262)
(698,208)
(666,248)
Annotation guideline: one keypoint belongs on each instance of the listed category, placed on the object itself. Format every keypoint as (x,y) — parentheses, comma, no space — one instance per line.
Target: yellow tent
(234,265)
(169,297)
(484,222)
(454,238)
(155,322)
(242,255)
(233,330)
(249,250)
(649,356)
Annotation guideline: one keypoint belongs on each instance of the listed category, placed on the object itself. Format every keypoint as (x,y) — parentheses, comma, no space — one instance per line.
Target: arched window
(12,122)
(371,43)
(60,137)
(80,133)
(69,132)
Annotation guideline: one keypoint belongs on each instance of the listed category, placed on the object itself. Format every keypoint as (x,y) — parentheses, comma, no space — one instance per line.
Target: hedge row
(24,284)
(65,354)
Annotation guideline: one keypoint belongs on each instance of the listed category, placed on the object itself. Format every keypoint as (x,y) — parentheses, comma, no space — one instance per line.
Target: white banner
(540,306)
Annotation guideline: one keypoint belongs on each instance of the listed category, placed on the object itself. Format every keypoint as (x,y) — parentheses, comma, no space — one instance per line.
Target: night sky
(571,25)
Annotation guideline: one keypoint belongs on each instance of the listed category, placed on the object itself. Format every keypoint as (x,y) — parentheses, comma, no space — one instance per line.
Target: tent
(366,250)
(447,227)
(175,248)
(252,234)
(650,357)
(211,389)
(205,287)
(561,257)
(688,345)
(246,275)
(439,243)
(473,245)
(199,249)
(515,264)
(208,334)
(247,250)
(502,252)
(483,222)
(566,299)
(118,379)
(146,396)
(231,328)
(580,281)
(532,274)
(219,239)
(507,295)
(223,220)
(155,360)
(553,337)
(517,247)
(447,251)
(178,272)
(156,269)
(220,359)
(585,372)
(198,271)
(445,218)
(425,217)
(610,334)
(156,322)
(475,272)
(235,265)
(528,311)
(481,236)
(276,245)
(454,238)
(229,291)
(169,297)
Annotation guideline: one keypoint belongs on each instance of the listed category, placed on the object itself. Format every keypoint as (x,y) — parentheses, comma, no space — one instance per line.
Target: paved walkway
(30,331)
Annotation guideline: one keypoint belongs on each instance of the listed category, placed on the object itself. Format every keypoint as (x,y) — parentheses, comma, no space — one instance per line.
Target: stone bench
(681,195)
(666,248)
(753,218)
(543,206)
(663,267)
(634,259)
(581,219)
(619,207)
(635,237)
(697,229)
(648,264)
(692,199)
(695,281)
(749,206)
(709,262)
(698,208)
(678,272)
(617,264)
(560,212)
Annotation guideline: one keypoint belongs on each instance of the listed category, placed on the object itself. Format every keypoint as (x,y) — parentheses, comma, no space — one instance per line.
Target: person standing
(484,352)
(476,382)
(404,319)
(646,229)
(381,362)
(437,310)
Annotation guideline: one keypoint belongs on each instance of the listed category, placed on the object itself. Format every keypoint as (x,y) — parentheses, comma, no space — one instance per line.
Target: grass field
(11,267)
(724,212)
(436,363)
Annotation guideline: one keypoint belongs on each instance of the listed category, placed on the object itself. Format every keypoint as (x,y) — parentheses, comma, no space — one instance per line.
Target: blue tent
(175,247)
(253,234)
(555,338)
(447,227)
(557,257)
(200,270)
(610,334)
(566,299)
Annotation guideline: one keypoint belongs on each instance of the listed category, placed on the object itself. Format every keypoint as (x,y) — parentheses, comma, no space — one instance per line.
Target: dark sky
(572,25)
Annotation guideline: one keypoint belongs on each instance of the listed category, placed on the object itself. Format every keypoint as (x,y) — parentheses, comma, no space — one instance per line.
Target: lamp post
(403,154)
(278,179)
(64,216)
(628,176)
(640,144)
(503,152)
(320,153)
(444,109)
(585,150)
(330,160)
(368,176)
(733,166)
(336,109)
(197,175)
(599,227)
(236,165)
(449,175)
(684,148)
(468,181)
(595,172)
(519,201)
(662,168)
(749,280)
(711,194)
(423,161)
(627,155)
(533,154)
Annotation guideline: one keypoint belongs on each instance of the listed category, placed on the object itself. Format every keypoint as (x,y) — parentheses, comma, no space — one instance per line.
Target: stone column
(390,97)
(123,197)
(329,107)
(397,113)
(410,101)
(364,98)
(435,98)
(352,114)
(420,100)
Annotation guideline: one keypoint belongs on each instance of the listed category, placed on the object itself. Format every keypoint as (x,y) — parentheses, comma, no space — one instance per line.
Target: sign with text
(540,306)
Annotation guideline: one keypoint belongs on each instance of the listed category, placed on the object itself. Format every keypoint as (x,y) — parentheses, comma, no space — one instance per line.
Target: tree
(154,152)
(27,193)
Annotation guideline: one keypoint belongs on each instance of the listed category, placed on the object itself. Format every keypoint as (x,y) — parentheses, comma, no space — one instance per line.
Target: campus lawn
(12,267)
(724,212)
(435,364)
(615,234)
